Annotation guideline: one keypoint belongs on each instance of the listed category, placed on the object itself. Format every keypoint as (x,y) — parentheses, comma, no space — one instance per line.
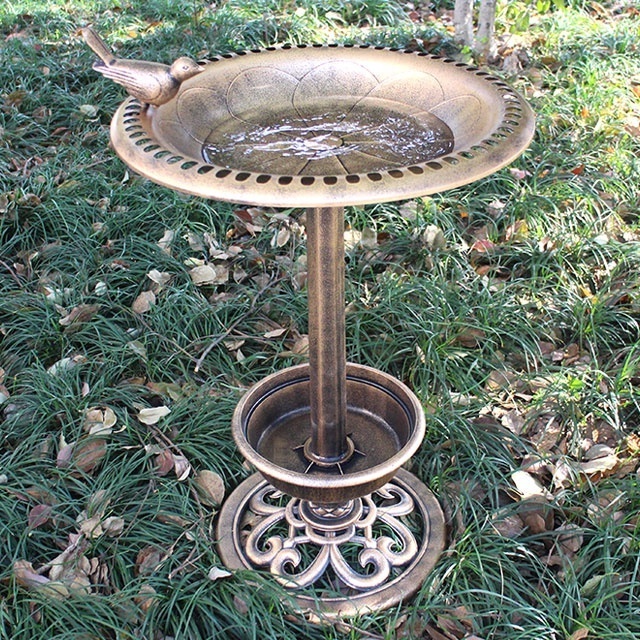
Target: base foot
(342,560)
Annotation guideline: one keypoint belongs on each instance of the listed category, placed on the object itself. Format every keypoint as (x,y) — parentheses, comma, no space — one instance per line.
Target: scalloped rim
(136,145)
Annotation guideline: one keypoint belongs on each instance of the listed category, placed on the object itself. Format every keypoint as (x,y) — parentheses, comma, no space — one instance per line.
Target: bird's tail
(97,44)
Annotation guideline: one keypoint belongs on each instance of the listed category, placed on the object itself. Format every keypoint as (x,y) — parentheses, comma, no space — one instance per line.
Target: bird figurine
(150,82)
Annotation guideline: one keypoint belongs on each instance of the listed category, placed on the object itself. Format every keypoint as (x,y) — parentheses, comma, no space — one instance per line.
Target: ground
(133,318)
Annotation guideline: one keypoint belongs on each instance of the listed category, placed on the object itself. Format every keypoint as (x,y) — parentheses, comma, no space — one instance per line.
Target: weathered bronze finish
(391,563)
(150,82)
(325,126)
(272,423)
(322,127)
(328,443)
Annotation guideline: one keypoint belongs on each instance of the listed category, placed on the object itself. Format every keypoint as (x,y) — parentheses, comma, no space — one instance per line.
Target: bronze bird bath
(323,127)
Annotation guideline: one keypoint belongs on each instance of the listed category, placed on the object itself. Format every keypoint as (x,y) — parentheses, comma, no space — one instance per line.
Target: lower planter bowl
(385,422)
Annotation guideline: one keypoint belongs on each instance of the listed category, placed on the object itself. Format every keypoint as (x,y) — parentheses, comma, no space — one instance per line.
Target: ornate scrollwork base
(367,554)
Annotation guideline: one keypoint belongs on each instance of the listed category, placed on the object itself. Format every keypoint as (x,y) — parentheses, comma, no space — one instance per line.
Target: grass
(510,306)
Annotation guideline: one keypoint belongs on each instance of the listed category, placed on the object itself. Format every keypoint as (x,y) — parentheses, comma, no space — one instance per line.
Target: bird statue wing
(143,86)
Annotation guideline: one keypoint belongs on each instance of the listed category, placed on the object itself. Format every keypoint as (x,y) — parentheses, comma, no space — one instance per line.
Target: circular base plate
(243,529)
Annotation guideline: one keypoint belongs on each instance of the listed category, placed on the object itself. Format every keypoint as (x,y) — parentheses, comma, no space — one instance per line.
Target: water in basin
(367,137)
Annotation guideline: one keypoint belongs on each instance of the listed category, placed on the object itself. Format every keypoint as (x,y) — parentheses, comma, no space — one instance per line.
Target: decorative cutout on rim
(334,148)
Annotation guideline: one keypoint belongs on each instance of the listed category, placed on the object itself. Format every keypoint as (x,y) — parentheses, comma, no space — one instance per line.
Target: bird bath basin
(323,127)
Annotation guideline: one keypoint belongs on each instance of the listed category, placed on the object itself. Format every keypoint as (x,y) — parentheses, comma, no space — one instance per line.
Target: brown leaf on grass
(143,302)
(181,467)
(210,487)
(545,433)
(90,527)
(65,364)
(600,467)
(159,278)
(65,454)
(514,421)
(470,337)
(241,605)
(28,578)
(113,526)
(434,634)
(535,521)
(71,568)
(570,538)
(39,515)
(517,231)
(146,597)
(300,348)
(165,242)
(99,421)
(170,389)
(579,634)
(149,558)
(281,238)
(171,518)
(216,573)
(433,238)
(527,486)
(89,453)
(508,527)
(164,462)
(86,454)
(500,380)
(209,274)
(78,316)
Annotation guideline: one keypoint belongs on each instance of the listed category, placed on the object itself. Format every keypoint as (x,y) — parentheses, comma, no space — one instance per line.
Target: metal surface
(150,82)
(322,127)
(366,555)
(325,126)
(327,352)
(271,425)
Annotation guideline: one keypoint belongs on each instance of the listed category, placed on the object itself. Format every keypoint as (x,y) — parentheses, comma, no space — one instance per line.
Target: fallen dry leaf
(433,238)
(90,527)
(65,364)
(99,421)
(434,634)
(78,316)
(570,538)
(143,302)
(527,486)
(164,462)
(182,467)
(159,279)
(276,333)
(39,515)
(470,337)
(281,238)
(89,453)
(152,415)
(86,454)
(215,573)
(113,526)
(28,578)
(149,558)
(210,487)
(241,605)
(165,242)
(209,274)
(146,597)
(600,466)
(508,527)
